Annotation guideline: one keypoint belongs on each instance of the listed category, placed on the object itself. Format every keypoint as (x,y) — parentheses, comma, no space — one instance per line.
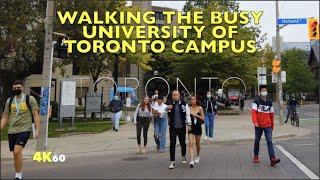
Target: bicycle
(294,117)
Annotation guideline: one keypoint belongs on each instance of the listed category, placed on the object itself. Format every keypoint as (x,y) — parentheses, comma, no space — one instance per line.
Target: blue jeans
(209,124)
(160,129)
(268,135)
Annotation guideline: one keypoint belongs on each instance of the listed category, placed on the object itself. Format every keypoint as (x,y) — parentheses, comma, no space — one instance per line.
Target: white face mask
(116,97)
(264,93)
(208,96)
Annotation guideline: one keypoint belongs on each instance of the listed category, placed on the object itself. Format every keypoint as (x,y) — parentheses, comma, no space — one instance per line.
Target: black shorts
(196,130)
(20,139)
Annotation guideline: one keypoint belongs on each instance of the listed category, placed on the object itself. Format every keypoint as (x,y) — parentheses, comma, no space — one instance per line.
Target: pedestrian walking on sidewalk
(179,120)
(116,108)
(21,111)
(160,123)
(154,97)
(142,118)
(263,120)
(194,135)
(210,108)
(241,101)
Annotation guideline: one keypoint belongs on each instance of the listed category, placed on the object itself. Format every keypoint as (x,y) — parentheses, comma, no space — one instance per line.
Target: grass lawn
(94,126)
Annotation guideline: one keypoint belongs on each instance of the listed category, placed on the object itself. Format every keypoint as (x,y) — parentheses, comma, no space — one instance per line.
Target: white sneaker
(139,150)
(191,164)
(172,165)
(210,139)
(143,151)
(205,138)
(184,160)
(197,160)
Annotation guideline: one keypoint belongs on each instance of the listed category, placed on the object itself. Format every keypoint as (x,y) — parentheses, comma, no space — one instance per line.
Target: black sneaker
(17,178)
(116,130)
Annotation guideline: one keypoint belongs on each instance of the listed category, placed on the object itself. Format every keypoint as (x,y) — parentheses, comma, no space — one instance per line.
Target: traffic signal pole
(278,57)
(46,74)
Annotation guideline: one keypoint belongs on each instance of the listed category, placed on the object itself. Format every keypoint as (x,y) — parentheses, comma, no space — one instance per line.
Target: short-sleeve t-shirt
(22,121)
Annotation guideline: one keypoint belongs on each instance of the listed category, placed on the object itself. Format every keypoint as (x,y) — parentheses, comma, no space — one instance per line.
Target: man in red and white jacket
(263,119)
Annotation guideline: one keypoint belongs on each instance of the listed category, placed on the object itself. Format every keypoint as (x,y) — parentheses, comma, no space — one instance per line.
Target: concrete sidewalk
(231,129)
(217,162)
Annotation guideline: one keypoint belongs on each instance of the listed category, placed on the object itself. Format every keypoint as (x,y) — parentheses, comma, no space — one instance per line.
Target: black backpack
(27,102)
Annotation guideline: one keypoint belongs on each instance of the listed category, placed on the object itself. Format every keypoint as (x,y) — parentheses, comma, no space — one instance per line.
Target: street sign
(283,76)
(93,102)
(262,75)
(274,78)
(293,21)
(44,101)
(67,99)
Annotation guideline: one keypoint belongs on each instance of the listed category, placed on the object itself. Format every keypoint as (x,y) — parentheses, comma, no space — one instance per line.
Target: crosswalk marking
(299,164)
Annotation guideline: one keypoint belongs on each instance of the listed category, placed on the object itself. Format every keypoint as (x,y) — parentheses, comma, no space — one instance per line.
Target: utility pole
(278,57)
(46,74)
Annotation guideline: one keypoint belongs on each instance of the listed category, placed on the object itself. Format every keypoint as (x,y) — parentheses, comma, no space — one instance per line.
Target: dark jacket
(115,105)
(292,103)
(207,106)
(184,112)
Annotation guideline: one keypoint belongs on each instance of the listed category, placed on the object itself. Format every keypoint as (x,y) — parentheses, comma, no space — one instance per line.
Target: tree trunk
(6,89)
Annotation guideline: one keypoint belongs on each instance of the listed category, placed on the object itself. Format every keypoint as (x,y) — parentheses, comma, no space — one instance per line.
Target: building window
(159,16)
(36,68)
(124,69)
(75,69)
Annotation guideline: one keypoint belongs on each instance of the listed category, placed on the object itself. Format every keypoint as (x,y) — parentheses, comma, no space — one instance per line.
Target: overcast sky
(288,9)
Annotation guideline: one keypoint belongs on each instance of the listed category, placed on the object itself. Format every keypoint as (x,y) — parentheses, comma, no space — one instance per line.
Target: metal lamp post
(116,71)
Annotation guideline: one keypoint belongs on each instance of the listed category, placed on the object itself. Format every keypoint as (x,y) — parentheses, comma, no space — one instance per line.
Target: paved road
(305,149)
(218,161)
(308,111)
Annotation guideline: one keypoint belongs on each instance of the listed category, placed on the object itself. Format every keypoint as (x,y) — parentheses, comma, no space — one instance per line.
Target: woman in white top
(160,123)
(142,118)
